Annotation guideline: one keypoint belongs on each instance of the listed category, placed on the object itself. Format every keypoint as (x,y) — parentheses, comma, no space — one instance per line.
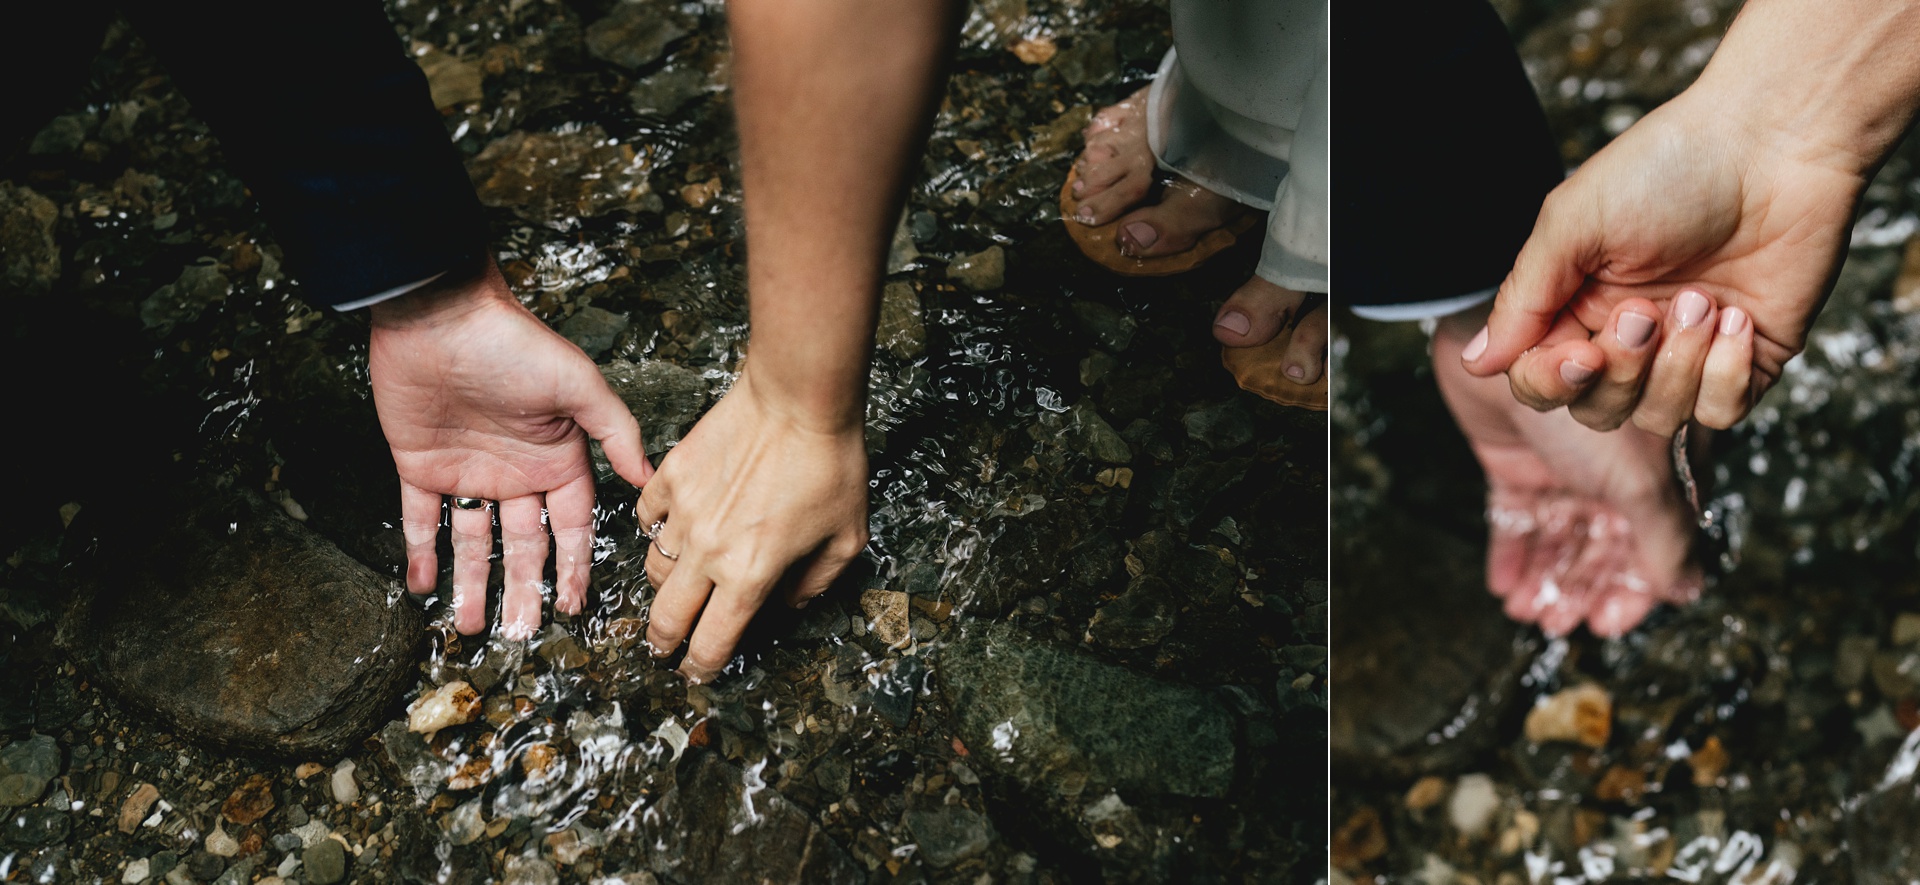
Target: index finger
(728,612)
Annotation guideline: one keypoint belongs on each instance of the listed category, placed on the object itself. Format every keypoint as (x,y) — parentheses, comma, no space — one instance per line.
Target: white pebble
(311,834)
(345,791)
(220,844)
(287,865)
(1473,804)
(136,872)
(452,704)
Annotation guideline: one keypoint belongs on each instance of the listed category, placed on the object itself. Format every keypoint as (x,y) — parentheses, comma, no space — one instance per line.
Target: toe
(1306,353)
(1110,202)
(1255,313)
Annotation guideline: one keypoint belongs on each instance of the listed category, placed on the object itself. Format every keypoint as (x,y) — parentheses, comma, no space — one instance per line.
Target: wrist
(442,301)
(810,401)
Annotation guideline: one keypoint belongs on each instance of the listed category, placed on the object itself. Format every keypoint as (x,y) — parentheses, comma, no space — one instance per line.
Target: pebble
(1426,793)
(307,770)
(455,703)
(26,767)
(250,801)
(949,834)
(325,863)
(221,844)
(203,866)
(889,614)
(1906,628)
(311,833)
(594,330)
(1473,804)
(345,790)
(463,825)
(35,827)
(239,874)
(983,271)
(1582,714)
(136,873)
(530,871)
(135,808)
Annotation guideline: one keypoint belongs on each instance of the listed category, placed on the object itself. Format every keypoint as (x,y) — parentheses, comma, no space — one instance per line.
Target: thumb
(1547,274)
(605,417)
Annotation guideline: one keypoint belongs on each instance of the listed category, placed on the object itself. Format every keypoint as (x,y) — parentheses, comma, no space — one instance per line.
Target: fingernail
(1078,186)
(804,602)
(1296,373)
(1476,347)
(1732,320)
(1691,308)
(1084,216)
(1142,234)
(1574,373)
(1234,321)
(1634,329)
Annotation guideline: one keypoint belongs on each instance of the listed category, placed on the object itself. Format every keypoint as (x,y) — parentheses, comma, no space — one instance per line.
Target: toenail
(1691,308)
(1234,321)
(1084,216)
(1574,373)
(1732,320)
(1078,186)
(1634,329)
(1296,373)
(1142,234)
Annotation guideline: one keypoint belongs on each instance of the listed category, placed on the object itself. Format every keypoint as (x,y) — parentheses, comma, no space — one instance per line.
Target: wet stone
(949,834)
(240,627)
(1220,427)
(547,176)
(900,330)
(1110,327)
(451,81)
(708,829)
(325,863)
(982,271)
(670,397)
(530,871)
(635,34)
(35,827)
(1091,59)
(26,767)
(669,90)
(594,330)
(29,255)
(1092,435)
(1040,714)
(250,801)
(1140,617)
(62,135)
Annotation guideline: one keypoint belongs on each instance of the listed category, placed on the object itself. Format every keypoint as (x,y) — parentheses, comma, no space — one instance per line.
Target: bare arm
(770,489)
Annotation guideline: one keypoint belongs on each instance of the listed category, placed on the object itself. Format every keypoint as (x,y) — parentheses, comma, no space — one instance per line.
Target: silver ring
(470,503)
(671,557)
(653,531)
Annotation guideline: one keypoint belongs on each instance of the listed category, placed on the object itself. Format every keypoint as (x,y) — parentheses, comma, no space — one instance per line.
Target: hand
(478,398)
(755,497)
(1693,199)
(1583,525)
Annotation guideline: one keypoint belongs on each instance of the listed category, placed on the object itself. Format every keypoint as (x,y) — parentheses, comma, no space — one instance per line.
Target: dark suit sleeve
(1441,153)
(330,124)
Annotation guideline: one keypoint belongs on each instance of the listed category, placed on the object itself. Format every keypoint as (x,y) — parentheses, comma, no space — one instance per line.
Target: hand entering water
(1583,525)
(754,497)
(478,398)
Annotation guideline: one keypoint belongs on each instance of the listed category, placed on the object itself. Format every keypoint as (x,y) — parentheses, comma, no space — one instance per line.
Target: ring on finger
(469,503)
(657,548)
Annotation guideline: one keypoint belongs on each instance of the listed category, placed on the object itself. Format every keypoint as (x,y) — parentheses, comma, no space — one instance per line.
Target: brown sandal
(1262,370)
(1101,243)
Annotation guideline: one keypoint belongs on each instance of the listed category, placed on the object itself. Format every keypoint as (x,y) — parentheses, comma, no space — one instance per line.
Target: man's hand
(478,398)
(753,499)
(1692,223)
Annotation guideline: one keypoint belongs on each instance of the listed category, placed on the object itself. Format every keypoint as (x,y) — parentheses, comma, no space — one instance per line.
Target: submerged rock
(1140,617)
(547,176)
(26,767)
(1048,716)
(635,34)
(949,834)
(240,627)
(29,256)
(724,824)
(668,91)
(667,397)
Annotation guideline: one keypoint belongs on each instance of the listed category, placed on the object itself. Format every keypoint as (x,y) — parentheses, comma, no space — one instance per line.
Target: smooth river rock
(240,627)
(1048,716)
(722,824)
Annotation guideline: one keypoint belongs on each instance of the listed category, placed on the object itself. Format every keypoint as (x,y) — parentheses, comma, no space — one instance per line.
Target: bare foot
(1116,180)
(1260,310)
(1583,525)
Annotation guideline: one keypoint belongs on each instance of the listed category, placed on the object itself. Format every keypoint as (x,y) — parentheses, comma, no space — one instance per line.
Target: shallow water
(1040,445)
(1763,734)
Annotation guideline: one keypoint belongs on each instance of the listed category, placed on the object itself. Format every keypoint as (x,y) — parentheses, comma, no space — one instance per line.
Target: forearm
(834,100)
(1836,81)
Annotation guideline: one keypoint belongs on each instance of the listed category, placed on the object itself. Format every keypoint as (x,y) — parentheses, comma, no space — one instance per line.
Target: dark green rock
(1045,715)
